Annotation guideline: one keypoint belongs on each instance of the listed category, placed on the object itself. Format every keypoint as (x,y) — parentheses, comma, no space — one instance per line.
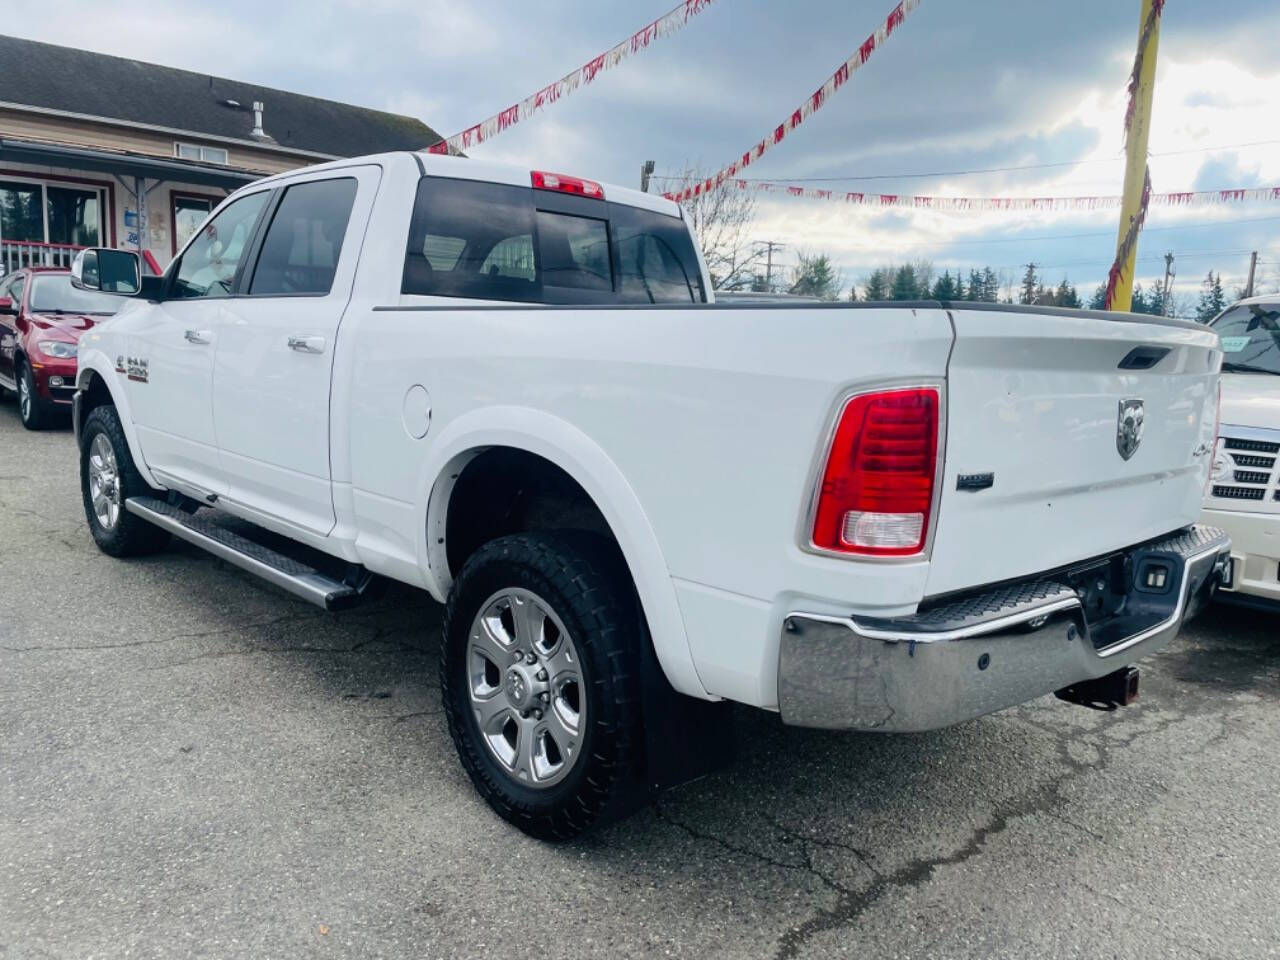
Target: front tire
(551,737)
(31,409)
(108,478)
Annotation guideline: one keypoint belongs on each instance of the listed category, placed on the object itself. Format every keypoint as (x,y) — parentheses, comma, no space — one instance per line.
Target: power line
(981,170)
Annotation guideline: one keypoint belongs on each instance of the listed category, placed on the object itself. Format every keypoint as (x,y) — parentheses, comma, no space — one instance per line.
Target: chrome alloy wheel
(524,677)
(104,482)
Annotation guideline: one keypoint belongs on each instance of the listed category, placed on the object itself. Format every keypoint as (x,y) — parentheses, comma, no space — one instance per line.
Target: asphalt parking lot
(196,765)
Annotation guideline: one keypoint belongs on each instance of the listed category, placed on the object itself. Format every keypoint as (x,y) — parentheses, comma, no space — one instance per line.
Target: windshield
(55,294)
(1250,338)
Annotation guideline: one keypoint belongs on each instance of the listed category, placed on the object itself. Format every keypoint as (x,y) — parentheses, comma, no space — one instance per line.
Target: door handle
(198,336)
(307,344)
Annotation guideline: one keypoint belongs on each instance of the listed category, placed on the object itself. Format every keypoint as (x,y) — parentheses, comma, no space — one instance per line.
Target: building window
(20,214)
(45,213)
(193,151)
(74,216)
(188,213)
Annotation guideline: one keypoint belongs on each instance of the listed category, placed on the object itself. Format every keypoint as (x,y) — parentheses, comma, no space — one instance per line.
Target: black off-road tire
(585,581)
(131,536)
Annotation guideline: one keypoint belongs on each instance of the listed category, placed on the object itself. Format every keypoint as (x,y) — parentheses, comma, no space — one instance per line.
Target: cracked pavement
(193,764)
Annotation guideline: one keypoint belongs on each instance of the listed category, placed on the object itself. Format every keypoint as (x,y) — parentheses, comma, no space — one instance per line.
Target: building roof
(93,84)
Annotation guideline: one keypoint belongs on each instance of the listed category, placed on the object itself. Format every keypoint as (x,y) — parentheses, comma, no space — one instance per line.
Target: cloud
(960,87)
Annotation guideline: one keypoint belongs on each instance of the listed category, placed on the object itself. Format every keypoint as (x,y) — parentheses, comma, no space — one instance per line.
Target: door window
(300,253)
(16,290)
(208,266)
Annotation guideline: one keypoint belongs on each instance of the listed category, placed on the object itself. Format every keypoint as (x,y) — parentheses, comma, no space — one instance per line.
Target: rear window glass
(656,259)
(575,251)
(472,240)
(486,241)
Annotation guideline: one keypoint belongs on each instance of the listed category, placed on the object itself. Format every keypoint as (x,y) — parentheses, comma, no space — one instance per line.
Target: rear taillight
(877,487)
(558,181)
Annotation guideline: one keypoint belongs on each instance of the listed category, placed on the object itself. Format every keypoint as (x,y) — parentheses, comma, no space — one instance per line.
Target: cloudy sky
(964,86)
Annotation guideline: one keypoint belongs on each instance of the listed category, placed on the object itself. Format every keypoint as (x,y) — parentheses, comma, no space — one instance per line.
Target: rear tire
(108,478)
(562,731)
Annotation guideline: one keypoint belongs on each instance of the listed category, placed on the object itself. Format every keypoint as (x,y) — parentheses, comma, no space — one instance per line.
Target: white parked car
(513,390)
(1244,494)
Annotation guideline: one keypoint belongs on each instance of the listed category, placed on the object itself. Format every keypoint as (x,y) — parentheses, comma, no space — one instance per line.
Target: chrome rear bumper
(988,651)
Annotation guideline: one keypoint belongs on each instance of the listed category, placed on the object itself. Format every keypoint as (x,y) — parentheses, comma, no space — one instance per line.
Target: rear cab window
(489,241)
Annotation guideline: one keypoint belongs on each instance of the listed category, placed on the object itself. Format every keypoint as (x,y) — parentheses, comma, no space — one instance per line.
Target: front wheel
(540,677)
(108,478)
(31,409)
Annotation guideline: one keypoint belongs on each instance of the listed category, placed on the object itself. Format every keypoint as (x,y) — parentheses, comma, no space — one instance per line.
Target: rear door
(1068,436)
(274,358)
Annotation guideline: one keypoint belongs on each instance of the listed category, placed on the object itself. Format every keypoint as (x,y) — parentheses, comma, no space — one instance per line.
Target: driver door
(168,369)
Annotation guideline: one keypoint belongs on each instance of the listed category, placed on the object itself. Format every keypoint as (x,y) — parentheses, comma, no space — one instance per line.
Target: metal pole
(1135,172)
(1168,280)
(1253,268)
(646,171)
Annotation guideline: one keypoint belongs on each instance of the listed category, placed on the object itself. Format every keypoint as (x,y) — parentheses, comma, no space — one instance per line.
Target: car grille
(1255,463)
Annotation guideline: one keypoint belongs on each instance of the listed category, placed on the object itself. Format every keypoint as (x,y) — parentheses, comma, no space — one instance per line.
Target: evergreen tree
(974,293)
(944,288)
(1139,304)
(876,286)
(814,276)
(905,285)
(1099,301)
(990,286)
(1029,281)
(1066,295)
(1212,300)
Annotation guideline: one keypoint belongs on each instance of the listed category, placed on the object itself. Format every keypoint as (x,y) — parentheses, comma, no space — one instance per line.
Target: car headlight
(58,349)
(1222,466)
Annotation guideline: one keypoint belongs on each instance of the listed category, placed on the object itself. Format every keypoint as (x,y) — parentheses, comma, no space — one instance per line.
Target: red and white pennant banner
(812,105)
(1198,198)
(670,22)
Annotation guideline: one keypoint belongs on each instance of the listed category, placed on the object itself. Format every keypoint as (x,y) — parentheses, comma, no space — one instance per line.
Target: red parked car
(42,317)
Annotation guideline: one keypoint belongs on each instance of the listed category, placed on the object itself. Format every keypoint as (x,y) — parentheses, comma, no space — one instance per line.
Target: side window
(656,259)
(209,264)
(304,240)
(16,289)
(473,240)
(575,251)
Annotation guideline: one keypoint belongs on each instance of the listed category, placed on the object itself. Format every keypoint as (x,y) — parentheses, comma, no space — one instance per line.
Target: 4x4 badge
(1129,427)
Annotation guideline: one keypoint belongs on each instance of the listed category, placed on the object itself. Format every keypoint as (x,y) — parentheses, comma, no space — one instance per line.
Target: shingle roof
(61,78)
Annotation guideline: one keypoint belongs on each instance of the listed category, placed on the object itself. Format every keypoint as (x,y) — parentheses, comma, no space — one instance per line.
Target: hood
(65,326)
(1251,400)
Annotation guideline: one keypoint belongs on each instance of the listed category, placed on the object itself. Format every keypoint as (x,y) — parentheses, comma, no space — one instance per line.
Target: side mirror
(7,308)
(107,270)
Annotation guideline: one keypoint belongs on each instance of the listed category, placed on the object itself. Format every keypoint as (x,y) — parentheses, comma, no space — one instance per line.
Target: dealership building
(103,151)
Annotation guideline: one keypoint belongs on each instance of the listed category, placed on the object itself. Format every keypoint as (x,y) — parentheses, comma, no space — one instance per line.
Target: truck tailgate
(1035,403)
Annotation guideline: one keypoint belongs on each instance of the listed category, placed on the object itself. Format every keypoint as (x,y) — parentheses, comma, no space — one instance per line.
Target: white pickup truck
(1244,495)
(513,389)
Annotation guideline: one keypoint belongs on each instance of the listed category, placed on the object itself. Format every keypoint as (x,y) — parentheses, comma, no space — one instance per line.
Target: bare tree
(722,219)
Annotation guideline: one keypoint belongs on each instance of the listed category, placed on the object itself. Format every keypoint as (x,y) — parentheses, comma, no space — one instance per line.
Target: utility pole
(1253,269)
(1168,284)
(770,246)
(646,171)
(1135,173)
